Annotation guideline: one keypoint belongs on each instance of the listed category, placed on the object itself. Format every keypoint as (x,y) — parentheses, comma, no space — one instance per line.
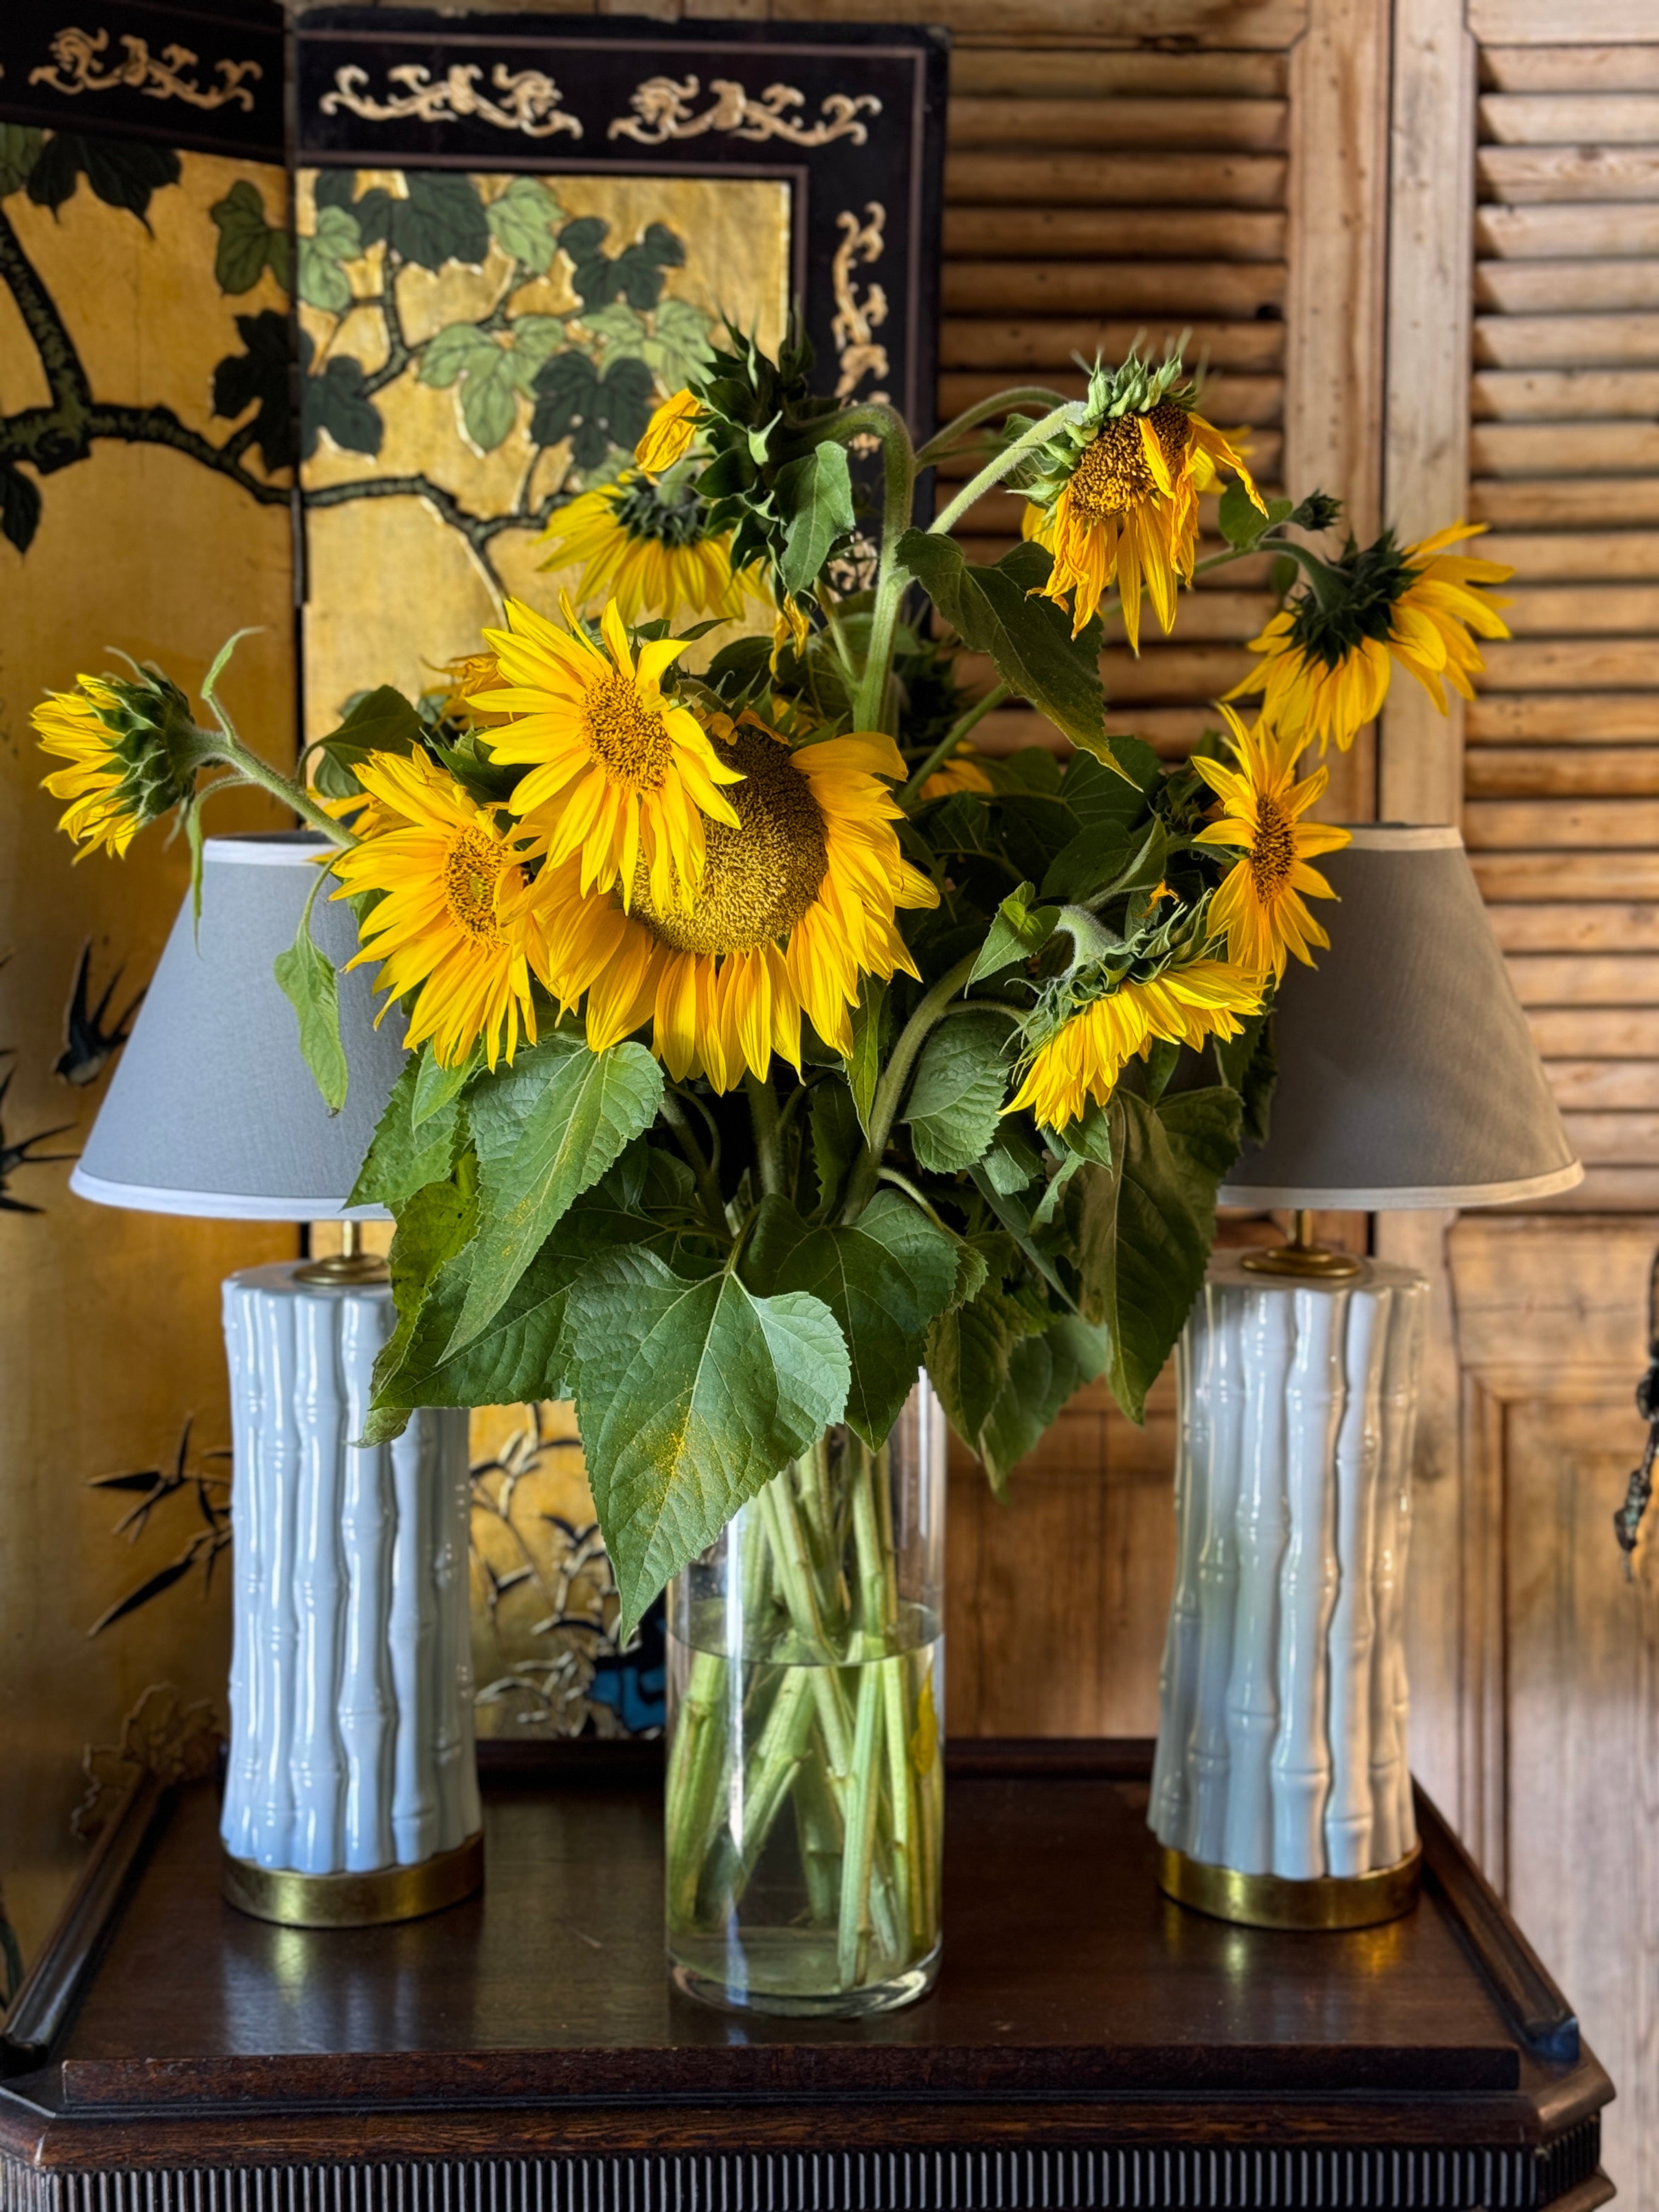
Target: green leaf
(306,980)
(336,239)
(814,497)
(884,1277)
(489,400)
(452,352)
(1043,1372)
(957,1098)
(435,1227)
(969,1350)
(678,348)
(618,328)
(19,149)
(1016,933)
(863,1065)
(834,1134)
(245,238)
(1249,1064)
(545,1130)
(1139,1232)
(403,1158)
(1013,1163)
(380,721)
(519,1357)
(1242,522)
(689,1397)
(436,1087)
(442,219)
(1102,862)
(1029,639)
(524,221)
(19,508)
(338,401)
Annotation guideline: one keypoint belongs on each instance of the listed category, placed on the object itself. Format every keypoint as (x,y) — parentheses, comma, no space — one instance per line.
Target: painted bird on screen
(89,1046)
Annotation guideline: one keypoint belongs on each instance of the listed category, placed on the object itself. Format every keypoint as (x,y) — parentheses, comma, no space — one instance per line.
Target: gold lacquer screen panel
(144,464)
(477,349)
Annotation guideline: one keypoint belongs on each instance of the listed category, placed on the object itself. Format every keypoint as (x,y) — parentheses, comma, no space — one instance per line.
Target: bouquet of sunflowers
(768,1044)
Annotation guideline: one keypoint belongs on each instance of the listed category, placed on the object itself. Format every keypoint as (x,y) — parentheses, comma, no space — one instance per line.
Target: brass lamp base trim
(355,1900)
(1274,1901)
(1305,1262)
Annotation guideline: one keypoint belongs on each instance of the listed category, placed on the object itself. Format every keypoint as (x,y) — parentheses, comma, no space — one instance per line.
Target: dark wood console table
(1089,2044)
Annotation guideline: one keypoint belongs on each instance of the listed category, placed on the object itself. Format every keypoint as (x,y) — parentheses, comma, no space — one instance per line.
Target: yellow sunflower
(669,433)
(1261,903)
(617,773)
(1114,494)
(649,548)
(1085,1057)
(457,924)
(797,901)
(1328,657)
(132,749)
(961,772)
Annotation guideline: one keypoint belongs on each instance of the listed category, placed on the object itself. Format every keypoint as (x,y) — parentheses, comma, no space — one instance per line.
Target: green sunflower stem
(898,494)
(769,1150)
(708,1191)
(1017,397)
(999,466)
(248,767)
(890,1091)
(952,738)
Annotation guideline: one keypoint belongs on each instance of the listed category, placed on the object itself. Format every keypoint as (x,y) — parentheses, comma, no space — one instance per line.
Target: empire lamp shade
(212,1109)
(1407,1075)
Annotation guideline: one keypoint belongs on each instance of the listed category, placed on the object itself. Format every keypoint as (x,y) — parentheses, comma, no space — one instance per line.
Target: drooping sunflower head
(133,751)
(648,545)
(617,773)
(1261,904)
(1328,658)
(456,925)
(669,433)
(1114,495)
(796,904)
(1089,1023)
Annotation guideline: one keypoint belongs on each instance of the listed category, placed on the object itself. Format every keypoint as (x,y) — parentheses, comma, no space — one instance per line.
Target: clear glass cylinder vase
(806,1788)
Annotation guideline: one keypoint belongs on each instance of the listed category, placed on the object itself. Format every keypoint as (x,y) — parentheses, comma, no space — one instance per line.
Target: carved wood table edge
(1091,2042)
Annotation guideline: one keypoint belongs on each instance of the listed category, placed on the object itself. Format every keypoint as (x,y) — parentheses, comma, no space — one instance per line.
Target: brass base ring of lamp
(1321,1902)
(355,1900)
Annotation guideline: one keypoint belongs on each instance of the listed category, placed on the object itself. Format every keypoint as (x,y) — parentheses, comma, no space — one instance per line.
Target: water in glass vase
(804,1799)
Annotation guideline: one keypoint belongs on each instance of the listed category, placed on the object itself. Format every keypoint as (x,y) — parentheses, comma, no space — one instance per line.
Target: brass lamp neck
(348,1269)
(1302,1257)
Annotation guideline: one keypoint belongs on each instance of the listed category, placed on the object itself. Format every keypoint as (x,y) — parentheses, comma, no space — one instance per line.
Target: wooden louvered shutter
(1216,169)
(1562,765)
(1092,199)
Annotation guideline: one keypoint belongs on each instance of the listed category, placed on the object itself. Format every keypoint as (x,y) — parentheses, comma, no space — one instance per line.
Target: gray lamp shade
(1408,1075)
(212,1109)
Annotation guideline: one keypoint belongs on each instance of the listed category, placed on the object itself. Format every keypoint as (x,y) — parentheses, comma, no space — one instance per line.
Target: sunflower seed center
(760,878)
(634,745)
(1272,854)
(1112,472)
(472,871)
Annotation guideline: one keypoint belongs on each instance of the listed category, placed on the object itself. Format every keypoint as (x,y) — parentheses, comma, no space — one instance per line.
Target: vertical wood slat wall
(1093,199)
(1562,765)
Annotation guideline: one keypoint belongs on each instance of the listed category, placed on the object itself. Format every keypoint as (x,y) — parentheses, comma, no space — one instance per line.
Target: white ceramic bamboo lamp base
(1281,1794)
(1281,1788)
(351,1793)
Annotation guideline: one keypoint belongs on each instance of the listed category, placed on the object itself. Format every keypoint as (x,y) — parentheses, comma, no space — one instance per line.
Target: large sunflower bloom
(650,551)
(455,924)
(131,747)
(1326,661)
(1085,1057)
(1128,512)
(1260,903)
(797,903)
(617,774)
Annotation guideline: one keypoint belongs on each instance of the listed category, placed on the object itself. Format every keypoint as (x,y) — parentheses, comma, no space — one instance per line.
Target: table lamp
(352,1789)
(1407,1076)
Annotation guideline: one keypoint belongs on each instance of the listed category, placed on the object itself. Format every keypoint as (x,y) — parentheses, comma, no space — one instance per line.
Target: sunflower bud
(669,433)
(133,750)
